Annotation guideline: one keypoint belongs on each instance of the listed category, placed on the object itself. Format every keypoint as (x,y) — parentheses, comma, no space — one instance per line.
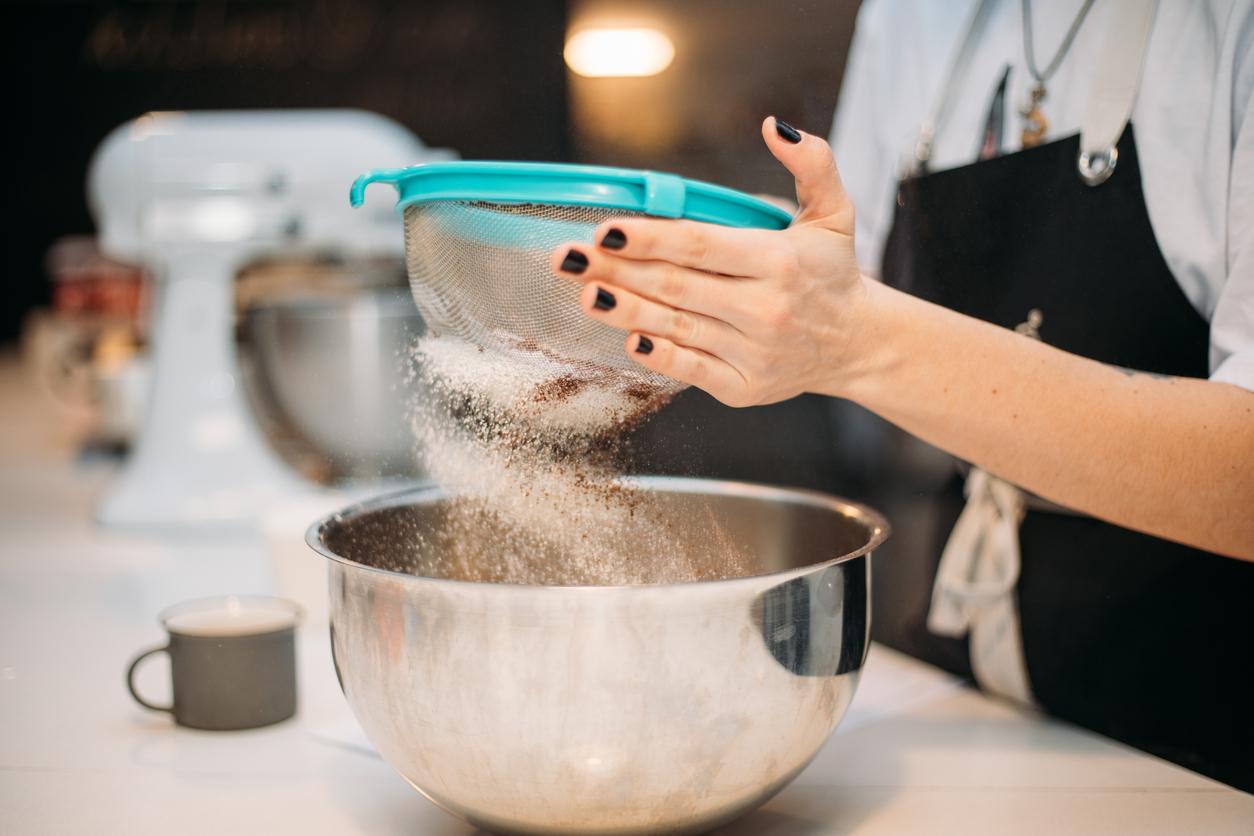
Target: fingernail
(605,300)
(614,239)
(645,346)
(787,132)
(574,262)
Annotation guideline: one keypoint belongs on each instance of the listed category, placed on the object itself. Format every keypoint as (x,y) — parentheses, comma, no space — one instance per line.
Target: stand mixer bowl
(605,709)
(330,372)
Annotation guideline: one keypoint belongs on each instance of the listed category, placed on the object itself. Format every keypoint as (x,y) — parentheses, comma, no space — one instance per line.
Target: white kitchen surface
(918,752)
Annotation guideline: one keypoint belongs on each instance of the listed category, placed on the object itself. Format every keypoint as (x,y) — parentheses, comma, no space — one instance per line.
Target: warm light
(619,52)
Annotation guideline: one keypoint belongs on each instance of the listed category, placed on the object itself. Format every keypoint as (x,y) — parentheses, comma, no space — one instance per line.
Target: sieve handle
(661,195)
(557,184)
(357,194)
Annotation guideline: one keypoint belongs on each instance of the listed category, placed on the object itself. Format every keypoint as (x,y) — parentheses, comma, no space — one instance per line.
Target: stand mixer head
(193,197)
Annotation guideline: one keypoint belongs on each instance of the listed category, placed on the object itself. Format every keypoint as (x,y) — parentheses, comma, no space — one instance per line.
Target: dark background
(77,70)
(485,77)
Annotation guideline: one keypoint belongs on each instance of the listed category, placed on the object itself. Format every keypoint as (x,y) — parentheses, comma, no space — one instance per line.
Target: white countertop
(917,753)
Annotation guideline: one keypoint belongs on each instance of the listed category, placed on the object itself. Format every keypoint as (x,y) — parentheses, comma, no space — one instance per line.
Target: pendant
(1031,327)
(1034,122)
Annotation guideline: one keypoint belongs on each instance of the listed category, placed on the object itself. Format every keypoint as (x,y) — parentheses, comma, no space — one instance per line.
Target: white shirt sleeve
(1232,326)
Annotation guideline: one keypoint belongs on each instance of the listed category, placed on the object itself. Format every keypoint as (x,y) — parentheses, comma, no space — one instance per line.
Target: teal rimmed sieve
(478,235)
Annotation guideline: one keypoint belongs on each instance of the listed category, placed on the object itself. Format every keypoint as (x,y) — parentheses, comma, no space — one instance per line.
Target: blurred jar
(86,349)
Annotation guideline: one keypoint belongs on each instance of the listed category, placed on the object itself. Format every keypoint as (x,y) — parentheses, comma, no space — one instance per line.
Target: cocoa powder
(531,447)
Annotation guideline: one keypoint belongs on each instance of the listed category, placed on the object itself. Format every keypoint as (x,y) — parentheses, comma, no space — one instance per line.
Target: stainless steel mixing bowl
(605,710)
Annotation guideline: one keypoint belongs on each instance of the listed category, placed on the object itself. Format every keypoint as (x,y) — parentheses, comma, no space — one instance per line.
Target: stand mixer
(193,198)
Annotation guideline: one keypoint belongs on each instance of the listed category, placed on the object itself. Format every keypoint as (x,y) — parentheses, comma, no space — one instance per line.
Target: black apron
(1141,639)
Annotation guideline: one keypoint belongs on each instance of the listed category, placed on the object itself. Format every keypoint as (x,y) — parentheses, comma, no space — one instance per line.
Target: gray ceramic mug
(232,662)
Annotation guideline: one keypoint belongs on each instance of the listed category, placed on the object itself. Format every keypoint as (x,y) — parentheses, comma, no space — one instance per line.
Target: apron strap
(955,73)
(1114,88)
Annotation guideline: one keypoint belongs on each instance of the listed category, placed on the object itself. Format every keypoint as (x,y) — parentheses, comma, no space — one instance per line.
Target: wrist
(864,344)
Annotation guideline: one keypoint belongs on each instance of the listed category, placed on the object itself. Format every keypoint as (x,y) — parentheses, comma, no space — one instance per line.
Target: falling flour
(529,446)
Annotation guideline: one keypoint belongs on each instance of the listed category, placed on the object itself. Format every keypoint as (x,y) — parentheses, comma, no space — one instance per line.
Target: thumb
(809,160)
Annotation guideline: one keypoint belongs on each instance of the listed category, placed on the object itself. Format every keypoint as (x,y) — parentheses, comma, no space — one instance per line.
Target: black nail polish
(645,346)
(614,239)
(574,262)
(787,132)
(605,300)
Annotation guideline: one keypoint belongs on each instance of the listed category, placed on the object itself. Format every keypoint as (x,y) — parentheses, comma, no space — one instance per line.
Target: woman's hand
(751,316)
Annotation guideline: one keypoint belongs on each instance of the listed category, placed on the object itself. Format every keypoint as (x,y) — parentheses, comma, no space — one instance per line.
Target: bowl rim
(878,528)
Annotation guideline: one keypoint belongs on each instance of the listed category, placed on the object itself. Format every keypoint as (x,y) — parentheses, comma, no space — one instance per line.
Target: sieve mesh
(481,272)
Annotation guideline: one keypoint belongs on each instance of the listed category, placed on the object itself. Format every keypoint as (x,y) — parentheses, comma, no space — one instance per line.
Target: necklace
(1034,122)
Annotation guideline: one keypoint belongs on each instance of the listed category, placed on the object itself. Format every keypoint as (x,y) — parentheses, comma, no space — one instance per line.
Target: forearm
(1173,457)
(754,317)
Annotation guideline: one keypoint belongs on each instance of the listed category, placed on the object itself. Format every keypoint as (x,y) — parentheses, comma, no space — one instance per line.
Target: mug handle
(130,679)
